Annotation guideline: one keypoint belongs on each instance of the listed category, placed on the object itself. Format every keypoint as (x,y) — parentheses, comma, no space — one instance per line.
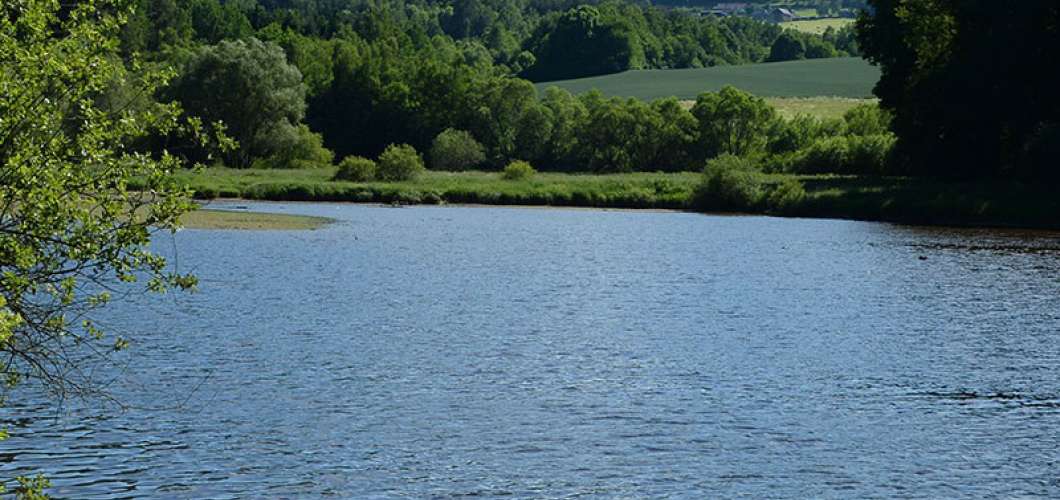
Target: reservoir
(437,352)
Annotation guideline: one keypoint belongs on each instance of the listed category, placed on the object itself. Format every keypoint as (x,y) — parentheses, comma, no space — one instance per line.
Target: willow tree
(74,122)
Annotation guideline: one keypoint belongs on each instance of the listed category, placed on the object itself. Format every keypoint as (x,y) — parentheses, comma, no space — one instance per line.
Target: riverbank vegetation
(895,199)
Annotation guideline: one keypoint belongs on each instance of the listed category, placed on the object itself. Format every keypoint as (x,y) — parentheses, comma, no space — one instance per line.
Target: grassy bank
(233,220)
(915,201)
(638,190)
(849,77)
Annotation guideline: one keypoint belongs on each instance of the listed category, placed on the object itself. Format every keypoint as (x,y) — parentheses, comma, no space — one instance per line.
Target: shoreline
(898,200)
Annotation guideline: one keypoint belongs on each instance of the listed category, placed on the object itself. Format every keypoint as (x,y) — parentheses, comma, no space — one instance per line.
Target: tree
(78,201)
(399,162)
(248,85)
(966,83)
(732,121)
(456,150)
(584,41)
(787,47)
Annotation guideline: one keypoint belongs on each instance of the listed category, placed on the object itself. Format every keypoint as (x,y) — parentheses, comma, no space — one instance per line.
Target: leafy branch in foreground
(72,231)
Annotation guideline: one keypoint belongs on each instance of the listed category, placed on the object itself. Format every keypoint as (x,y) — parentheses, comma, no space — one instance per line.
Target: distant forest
(536,39)
(307,82)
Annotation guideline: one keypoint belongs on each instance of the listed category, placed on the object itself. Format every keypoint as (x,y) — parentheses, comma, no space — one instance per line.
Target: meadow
(820,107)
(847,77)
(817,26)
(896,199)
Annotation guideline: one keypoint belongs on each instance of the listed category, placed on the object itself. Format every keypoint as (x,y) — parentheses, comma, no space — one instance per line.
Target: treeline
(537,39)
(365,96)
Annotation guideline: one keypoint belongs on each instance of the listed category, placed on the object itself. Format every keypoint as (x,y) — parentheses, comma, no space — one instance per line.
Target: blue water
(445,351)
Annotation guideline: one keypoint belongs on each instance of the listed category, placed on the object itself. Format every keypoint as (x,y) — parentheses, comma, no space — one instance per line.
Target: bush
(456,150)
(355,169)
(851,155)
(870,154)
(399,162)
(786,196)
(301,148)
(729,183)
(518,170)
(867,119)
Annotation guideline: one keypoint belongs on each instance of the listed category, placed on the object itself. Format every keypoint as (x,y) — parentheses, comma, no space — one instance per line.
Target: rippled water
(424,352)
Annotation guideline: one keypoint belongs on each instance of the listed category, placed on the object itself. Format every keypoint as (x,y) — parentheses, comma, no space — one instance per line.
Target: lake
(458,351)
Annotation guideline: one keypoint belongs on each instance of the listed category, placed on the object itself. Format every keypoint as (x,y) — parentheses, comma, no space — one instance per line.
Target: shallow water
(438,352)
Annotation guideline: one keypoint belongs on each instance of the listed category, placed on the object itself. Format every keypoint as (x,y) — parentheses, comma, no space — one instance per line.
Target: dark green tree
(967,83)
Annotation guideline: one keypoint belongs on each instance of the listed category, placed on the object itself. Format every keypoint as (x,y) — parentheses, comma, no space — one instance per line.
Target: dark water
(440,352)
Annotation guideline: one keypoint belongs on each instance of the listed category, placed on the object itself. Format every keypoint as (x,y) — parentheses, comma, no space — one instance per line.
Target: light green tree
(72,225)
(250,86)
(732,121)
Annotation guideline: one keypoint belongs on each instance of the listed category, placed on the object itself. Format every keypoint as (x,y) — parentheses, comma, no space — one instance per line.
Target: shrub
(870,154)
(301,148)
(518,170)
(867,119)
(456,150)
(824,155)
(399,162)
(729,183)
(786,196)
(355,169)
(864,155)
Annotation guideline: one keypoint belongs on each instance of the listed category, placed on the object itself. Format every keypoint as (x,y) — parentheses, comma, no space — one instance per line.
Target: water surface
(440,352)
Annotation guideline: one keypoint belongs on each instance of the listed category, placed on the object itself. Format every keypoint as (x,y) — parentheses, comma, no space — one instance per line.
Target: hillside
(841,77)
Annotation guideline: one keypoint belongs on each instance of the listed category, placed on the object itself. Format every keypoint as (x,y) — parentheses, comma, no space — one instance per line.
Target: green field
(921,201)
(849,77)
(817,26)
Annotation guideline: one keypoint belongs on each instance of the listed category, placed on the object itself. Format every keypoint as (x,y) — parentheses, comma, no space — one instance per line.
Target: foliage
(786,197)
(356,169)
(66,221)
(305,149)
(729,183)
(867,119)
(867,155)
(518,170)
(456,150)
(583,41)
(939,56)
(732,122)
(787,47)
(71,227)
(248,85)
(399,162)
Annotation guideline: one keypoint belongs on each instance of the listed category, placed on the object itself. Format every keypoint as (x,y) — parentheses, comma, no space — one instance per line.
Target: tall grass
(635,190)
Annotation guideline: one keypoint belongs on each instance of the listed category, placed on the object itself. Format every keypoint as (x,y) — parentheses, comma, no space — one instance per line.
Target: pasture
(848,77)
